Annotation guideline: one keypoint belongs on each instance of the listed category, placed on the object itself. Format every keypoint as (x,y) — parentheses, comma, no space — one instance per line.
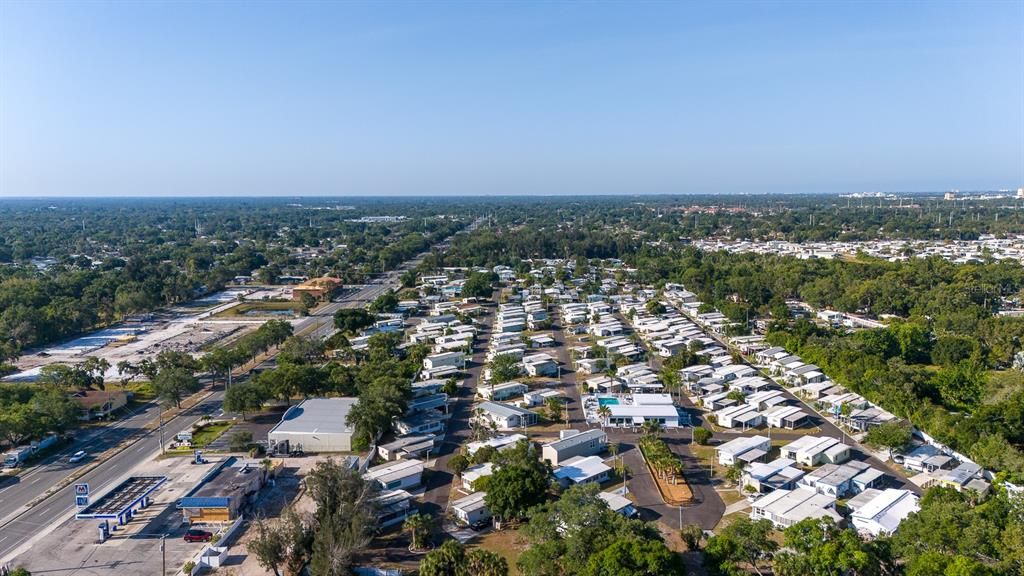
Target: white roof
(742,444)
(615,501)
(474,501)
(810,444)
(887,509)
(394,470)
(631,410)
(581,468)
(782,411)
(474,473)
(761,470)
(652,399)
(498,442)
(317,416)
(797,505)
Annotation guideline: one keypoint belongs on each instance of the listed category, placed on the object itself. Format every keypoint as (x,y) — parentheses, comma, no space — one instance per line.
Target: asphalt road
(17,528)
(458,430)
(32,484)
(18,491)
(61,504)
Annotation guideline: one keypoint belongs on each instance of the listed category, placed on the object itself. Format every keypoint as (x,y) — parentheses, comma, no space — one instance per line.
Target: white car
(77,456)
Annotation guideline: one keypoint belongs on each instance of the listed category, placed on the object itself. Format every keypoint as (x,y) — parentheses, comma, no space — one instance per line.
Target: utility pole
(163,555)
(161,428)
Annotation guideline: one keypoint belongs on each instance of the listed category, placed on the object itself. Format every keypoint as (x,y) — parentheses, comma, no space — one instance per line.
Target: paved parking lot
(74,548)
(258,425)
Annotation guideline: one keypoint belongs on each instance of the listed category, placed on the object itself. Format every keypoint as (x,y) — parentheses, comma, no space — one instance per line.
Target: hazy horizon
(513,99)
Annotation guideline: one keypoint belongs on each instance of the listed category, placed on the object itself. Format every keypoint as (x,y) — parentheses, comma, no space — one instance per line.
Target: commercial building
(221,493)
(631,415)
(315,425)
(122,502)
(318,288)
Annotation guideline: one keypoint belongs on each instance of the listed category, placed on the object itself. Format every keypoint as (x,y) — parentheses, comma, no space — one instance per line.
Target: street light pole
(163,555)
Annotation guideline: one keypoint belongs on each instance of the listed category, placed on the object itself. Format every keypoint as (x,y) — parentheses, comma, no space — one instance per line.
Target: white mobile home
(742,416)
(883,511)
(743,449)
(504,391)
(471,509)
(506,416)
(814,450)
(397,475)
(582,469)
(787,507)
(779,474)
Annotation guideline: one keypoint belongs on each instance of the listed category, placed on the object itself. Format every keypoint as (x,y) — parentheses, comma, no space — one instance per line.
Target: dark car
(195,535)
(480,525)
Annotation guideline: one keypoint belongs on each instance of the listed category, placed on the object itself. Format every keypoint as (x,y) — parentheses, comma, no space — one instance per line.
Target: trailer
(45,443)
(15,458)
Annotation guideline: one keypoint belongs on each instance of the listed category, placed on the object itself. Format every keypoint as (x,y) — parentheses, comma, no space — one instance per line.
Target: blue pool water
(607,401)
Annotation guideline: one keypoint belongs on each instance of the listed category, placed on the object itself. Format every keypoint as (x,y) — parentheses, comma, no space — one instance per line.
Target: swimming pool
(602,401)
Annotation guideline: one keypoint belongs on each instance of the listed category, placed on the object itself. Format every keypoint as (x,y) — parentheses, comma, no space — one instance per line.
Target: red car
(195,535)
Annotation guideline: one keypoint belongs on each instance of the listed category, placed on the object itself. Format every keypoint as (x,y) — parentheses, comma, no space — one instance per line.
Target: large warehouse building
(316,425)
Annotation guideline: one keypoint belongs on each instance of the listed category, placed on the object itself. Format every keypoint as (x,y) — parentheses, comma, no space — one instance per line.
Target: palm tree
(482,562)
(604,412)
(418,525)
(652,427)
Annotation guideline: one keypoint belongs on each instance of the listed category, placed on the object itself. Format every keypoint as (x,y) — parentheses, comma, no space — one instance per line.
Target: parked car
(78,456)
(196,535)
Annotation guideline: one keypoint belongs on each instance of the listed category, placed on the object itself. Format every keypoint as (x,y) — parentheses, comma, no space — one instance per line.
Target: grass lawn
(703,453)
(1001,384)
(142,392)
(729,519)
(253,309)
(204,436)
(506,543)
(731,496)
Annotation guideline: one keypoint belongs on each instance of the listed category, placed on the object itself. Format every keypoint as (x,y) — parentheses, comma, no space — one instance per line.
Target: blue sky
(413,98)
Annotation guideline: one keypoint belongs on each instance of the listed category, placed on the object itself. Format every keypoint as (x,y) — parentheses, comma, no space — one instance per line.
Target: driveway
(435,499)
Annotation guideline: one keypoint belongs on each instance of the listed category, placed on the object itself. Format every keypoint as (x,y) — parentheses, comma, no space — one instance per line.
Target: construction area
(191,328)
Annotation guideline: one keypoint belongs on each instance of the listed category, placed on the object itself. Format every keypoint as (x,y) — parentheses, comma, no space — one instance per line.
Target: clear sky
(414,98)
